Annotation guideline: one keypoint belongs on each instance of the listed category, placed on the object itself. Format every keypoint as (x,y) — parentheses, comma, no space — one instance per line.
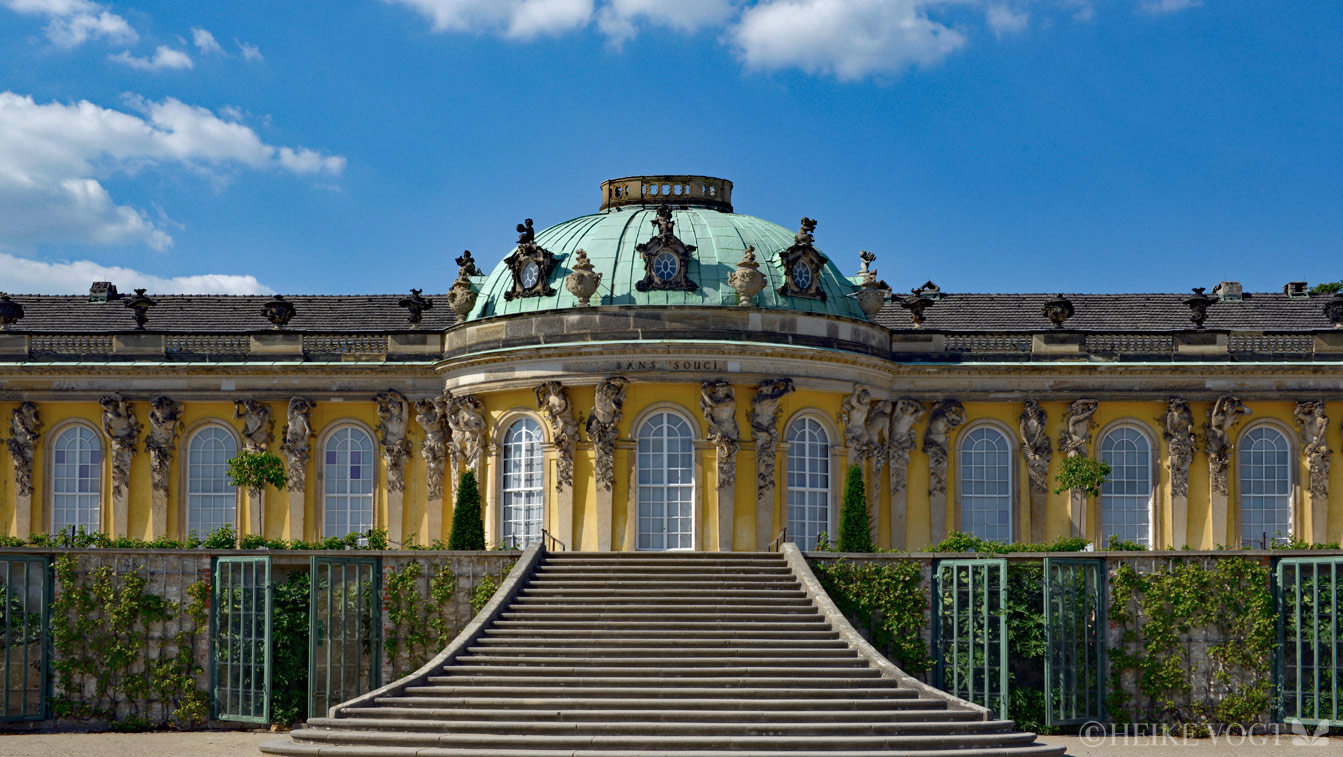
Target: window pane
(1265,486)
(347,483)
(212,502)
(808,481)
(1126,497)
(986,484)
(666,483)
(76,478)
(524,495)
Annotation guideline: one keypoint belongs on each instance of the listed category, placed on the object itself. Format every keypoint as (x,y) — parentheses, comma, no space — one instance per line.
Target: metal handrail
(551,544)
(779,540)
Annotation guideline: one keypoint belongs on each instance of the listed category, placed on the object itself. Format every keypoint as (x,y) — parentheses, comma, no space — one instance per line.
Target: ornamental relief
(123,428)
(393,423)
(165,423)
(1222,418)
(765,428)
(666,258)
(1313,425)
(297,442)
(1035,445)
(25,428)
(905,415)
(802,264)
(944,418)
(603,427)
(431,414)
(719,404)
(1177,428)
(530,264)
(553,401)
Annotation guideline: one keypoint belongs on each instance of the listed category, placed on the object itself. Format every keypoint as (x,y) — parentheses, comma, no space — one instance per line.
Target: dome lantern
(673,191)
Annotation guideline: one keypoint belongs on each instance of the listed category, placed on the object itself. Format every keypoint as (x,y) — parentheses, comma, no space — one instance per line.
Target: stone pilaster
(297,507)
(396,501)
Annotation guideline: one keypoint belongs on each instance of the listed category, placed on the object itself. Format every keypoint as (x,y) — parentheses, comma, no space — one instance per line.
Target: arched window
(76,480)
(808,482)
(1265,486)
(348,472)
(522,484)
(1126,496)
(666,472)
(986,484)
(212,502)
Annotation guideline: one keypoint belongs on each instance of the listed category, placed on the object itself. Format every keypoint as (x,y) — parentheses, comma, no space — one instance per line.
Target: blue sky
(988,145)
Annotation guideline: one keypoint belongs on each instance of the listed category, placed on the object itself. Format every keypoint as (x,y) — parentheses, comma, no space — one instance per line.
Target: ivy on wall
(1156,613)
(418,627)
(99,626)
(887,600)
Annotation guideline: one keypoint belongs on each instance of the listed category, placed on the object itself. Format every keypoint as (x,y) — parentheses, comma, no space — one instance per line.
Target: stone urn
(461,297)
(747,278)
(583,282)
(871,297)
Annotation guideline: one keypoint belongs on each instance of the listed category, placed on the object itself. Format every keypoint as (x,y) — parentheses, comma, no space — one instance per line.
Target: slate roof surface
(74,314)
(1112,312)
(229,314)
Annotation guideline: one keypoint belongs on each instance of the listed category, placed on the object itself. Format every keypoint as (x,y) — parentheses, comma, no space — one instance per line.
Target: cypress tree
(854,527)
(468,527)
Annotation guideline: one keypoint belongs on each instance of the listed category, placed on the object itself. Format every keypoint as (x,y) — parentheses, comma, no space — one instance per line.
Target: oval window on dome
(802,275)
(530,274)
(665,266)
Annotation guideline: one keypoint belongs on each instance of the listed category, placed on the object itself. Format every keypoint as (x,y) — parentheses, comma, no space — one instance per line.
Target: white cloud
(249,51)
(72,22)
(53,157)
(205,41)
(1004,20)
(1167,6)
(517,19)
(26,276)
(847,38)
(165,58)
(619,19)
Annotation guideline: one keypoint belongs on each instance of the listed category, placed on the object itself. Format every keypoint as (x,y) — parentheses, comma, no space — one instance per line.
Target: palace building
(666,373)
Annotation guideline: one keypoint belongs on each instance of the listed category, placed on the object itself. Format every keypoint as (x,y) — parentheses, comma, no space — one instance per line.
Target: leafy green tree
(468,527)
(256,470)
(1327,287)
(855,533)
(1084,473)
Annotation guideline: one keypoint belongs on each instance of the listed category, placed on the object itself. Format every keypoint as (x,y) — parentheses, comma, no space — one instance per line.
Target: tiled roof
(45,314)
(1112,312)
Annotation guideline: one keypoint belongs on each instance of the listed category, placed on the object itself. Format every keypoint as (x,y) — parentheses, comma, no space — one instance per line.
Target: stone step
(599,669)
(661,635)
(646,594)
(947,741)
(656,711)
(657,728)
(792,608)
(290,748)
(902,700)
(602,660)
(621,653)
(678,583)
(773,569)
(680,616)
(668,646)
(708,624)
(787,689)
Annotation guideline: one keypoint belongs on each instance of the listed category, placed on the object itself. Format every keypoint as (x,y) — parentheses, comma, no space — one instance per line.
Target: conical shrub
(855,533)
(468,526)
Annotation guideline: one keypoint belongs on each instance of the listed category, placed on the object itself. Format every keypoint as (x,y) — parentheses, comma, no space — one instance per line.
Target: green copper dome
(703,219)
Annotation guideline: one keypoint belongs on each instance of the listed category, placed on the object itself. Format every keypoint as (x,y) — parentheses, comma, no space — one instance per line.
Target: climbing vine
(887,600)
(486,587)
(99,628)
(1231,601)
(418,627)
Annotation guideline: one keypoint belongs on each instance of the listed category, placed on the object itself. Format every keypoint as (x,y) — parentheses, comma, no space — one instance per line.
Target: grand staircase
(658,655)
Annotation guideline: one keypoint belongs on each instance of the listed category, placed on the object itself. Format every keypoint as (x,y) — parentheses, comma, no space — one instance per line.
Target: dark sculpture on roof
(279,311)
(141,305)
(1199,304)
(467,264)
(1058,309)
(916,303)
(666,258)
(802,264)
(1333,310)
(416,305)
(10,311)
(530,265)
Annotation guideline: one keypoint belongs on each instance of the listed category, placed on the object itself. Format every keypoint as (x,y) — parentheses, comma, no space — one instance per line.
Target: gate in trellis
(345,630)
(970,631)
(1309,662)
(25,650)
(240,658)
(1074,613)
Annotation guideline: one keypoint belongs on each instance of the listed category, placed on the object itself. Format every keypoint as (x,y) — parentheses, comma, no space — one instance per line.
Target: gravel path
(244,744)
(194,744)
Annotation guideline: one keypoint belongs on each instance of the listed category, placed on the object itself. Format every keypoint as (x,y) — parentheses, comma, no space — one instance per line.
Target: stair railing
(779,540)
(551,543)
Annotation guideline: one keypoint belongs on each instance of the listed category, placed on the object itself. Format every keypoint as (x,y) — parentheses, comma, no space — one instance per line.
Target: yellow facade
(642,398)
